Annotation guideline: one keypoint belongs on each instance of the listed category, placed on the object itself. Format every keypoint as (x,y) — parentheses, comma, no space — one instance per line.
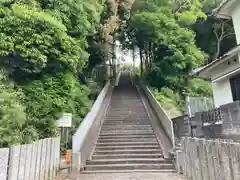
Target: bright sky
(127,55)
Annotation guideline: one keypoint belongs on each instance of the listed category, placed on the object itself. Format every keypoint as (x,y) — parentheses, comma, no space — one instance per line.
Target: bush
(47,99)
(199,87)
(174,101)
(169,100)
(12,112)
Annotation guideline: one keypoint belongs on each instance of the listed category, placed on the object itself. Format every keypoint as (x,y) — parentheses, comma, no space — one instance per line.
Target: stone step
(150,171)
(124,126)
(125,132)
(104,128)
(132,117)
(128,136)
(116,104)
(128,151)
(128,161)
(124,109)
(125,147)
(123,112)
(127,113)
(129,166)
(127,156)
(126,121)
(127,104)
(136,122)
(127,141)
(112,144)
(153,140)
(123,117)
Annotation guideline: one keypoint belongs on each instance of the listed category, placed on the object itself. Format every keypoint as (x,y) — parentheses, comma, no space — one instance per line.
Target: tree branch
(182,4)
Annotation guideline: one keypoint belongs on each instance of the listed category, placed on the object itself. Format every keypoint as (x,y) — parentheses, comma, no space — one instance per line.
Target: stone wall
(181,126)
(201,159)
(213,131)
(223,123)
(231,118)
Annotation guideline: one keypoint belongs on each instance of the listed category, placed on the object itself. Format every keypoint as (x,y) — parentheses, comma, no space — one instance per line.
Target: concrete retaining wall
(162,116)
(37,161)
(231,118)
(218,123)
(201,159)
(118,78)
(84,139)
(181,126)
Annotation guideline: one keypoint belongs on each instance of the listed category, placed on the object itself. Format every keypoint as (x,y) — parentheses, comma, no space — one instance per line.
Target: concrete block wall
(84,139)
(37,161)
(161,114)
(231,118)
(201,159)
(181,126)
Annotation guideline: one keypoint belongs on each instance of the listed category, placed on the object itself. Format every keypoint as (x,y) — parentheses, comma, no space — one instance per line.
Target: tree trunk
(141,60)
(217,50)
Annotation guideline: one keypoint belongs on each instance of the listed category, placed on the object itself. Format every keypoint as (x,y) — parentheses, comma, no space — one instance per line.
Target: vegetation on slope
(163,31)
(43,47)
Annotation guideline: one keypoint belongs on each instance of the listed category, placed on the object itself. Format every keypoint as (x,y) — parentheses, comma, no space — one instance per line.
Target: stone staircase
(127,141)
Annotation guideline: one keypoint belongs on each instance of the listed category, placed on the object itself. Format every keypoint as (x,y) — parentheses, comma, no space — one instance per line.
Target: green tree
(214,36)
(43,47)
(162,31)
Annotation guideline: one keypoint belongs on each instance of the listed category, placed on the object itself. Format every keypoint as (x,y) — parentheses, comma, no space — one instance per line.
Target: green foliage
(166,41)
(169,101)
(213,35)
(48,98)
(126,67)
(199,87)
(54,95)
(43,46)
(162,30)
(42,41)
(174,102)
(95,89)
(12,113)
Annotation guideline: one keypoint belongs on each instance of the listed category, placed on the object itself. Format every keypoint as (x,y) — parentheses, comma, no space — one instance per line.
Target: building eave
(221,16)
(230,54)
(222,10)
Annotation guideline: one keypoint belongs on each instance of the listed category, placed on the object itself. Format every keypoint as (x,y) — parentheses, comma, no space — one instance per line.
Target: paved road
(126,176)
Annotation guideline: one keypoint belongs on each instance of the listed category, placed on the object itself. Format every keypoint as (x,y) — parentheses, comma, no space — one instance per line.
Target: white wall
(224,68)
(236,21)
(221,88)
(222,92)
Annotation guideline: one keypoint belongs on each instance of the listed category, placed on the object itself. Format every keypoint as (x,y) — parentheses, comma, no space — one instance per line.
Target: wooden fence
(201,159)
(37,161)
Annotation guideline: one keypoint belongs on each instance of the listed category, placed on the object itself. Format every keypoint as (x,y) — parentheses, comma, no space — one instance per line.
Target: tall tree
(214,36)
